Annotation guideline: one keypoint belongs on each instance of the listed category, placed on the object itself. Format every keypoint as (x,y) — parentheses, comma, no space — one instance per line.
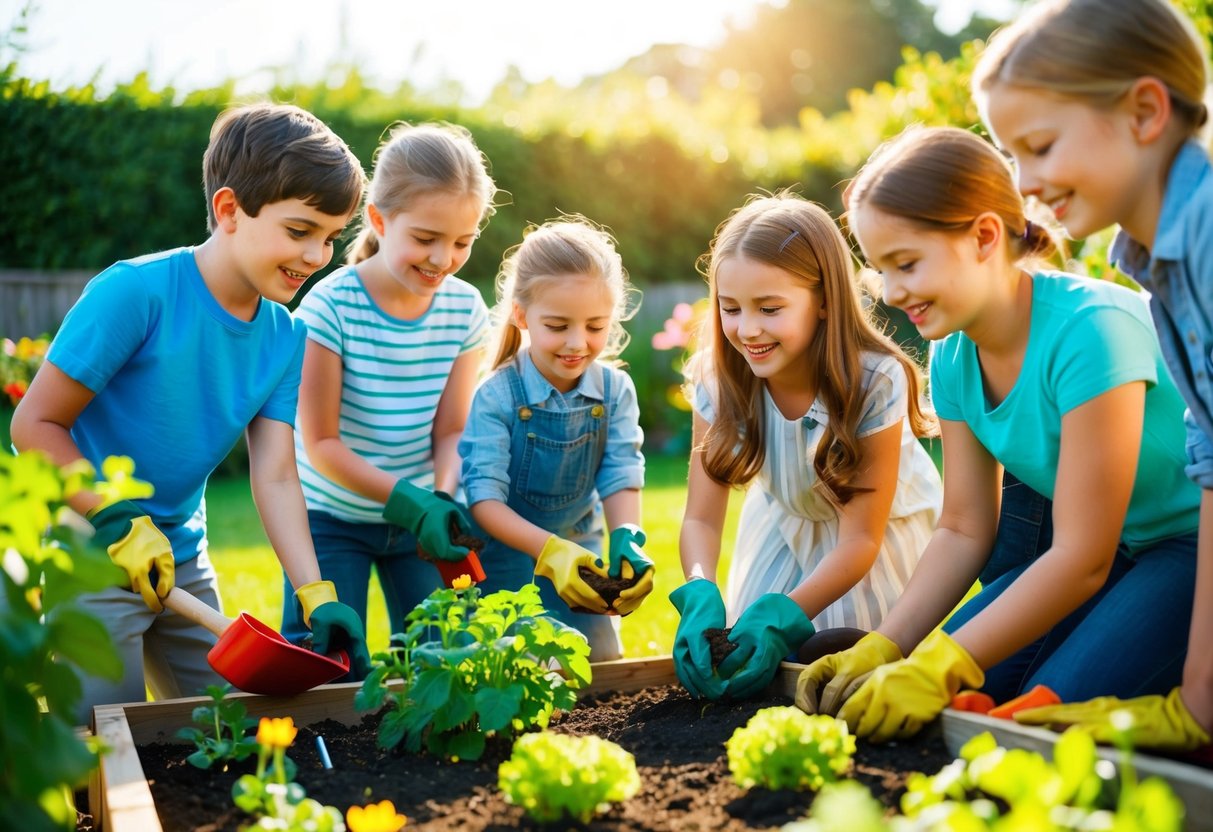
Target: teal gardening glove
(430,515)
(334,625)
(628,560)
(700,608)
(136,546)
(769,629)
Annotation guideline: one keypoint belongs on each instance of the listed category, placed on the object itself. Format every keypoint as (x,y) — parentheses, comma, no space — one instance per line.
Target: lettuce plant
(560,777)
(212,721)
(785,748)
(472,667)
(994,788)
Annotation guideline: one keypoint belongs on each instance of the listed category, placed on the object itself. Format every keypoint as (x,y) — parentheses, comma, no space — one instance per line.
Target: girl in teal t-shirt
(1058,379)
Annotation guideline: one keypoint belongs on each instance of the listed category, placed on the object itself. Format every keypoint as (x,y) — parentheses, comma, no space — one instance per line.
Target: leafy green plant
(218,716)
(474,667)
(785,748)
(994,788)
(271,793)
(558,776)
(45,638)
(19,360)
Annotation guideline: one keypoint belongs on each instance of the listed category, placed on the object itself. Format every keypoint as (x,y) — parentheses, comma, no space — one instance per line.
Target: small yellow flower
(377,817)
(462,582)
(276,733)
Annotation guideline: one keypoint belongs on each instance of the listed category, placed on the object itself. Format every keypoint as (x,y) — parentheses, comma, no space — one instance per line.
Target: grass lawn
(250,578)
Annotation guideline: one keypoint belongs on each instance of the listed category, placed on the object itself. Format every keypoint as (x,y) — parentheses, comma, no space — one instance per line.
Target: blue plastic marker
(324,752)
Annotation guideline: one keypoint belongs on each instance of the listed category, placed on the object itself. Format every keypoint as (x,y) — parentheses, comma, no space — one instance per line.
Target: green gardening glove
(769,629)
(700,608)
(430,515)
(334,625)
(627,560)
(138,547)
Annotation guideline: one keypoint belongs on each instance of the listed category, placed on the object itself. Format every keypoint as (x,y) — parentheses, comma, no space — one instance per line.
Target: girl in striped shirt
(395,342)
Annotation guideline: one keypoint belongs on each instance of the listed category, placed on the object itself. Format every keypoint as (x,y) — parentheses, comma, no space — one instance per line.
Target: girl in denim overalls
(553,441)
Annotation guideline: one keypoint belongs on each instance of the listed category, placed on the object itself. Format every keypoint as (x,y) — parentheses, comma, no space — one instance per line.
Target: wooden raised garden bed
(120,797)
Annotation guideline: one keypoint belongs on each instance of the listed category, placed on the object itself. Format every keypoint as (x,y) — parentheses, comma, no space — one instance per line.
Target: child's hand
(334,625)
(136,546)
(559,562)
(841,672)
(624,545)
(430,515)
(700,608)
(769,629)
(899,698)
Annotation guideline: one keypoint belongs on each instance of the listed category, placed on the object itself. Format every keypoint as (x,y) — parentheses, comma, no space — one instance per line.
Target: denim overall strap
(554,459)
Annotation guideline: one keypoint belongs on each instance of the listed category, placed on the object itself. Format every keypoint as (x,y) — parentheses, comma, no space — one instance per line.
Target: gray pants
(164,652)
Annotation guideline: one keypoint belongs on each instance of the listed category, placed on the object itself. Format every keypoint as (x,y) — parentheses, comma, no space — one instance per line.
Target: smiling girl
(799,399)
(553,442)
(395,341)
(1059,379)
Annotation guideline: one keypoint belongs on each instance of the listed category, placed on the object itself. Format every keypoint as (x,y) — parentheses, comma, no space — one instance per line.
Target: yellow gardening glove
(139,548)
(897,699)
(559,561)
(632,597)
(1161,722)
(841,673)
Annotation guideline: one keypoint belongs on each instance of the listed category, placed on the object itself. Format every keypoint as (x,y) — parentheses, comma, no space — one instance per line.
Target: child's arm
(451,417)
(274,479)
(861,525)
(43,421)
(960,544)
(703,519)
(1197,689)
(319,425)
(1097,466)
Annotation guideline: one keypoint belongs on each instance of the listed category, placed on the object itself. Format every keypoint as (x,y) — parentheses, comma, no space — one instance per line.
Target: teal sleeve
(1102,348)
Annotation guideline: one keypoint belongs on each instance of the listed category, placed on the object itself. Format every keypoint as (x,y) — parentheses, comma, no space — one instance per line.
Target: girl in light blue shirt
(1101,105)
(553,440)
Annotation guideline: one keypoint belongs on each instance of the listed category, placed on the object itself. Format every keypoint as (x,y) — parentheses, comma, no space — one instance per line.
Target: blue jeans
(1129,639)
(346,552)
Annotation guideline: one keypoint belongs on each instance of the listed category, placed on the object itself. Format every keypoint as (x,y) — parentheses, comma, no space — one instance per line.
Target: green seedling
(785,748)
(473,667)
(561,777)
(227,724)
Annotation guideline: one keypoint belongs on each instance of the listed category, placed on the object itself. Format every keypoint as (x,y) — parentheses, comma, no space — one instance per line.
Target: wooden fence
(33,303)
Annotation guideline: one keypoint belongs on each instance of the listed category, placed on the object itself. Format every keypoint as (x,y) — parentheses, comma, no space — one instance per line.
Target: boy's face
(284,245)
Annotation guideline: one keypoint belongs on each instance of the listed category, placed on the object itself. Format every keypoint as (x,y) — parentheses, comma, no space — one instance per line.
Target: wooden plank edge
(1192,784)
(125,800)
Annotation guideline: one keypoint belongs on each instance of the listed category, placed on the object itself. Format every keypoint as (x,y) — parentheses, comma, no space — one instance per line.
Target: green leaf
(200,759)
(498,707)
(459,708)
(468,745)
(82,639)
(432,689)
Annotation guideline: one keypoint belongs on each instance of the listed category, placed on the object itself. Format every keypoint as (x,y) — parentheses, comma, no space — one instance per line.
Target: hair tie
(787,240)
(1027,231)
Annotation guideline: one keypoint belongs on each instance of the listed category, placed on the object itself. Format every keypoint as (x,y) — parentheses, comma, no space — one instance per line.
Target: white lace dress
(786,527)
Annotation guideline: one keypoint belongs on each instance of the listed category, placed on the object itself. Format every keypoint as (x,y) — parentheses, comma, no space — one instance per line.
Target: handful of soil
(718,642)
(459,538)
(825,642)
(607,588)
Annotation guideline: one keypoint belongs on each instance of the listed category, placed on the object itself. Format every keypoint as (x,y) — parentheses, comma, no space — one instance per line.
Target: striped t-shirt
(393,374)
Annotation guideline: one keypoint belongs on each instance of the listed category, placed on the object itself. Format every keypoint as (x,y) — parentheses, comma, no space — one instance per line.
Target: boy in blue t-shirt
(167,359)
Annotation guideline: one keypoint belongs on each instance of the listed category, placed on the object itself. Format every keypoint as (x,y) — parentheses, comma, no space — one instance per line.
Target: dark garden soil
(678,744)
(608,588)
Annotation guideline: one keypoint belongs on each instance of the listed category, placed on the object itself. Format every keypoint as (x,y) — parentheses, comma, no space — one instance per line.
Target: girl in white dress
(800,400)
